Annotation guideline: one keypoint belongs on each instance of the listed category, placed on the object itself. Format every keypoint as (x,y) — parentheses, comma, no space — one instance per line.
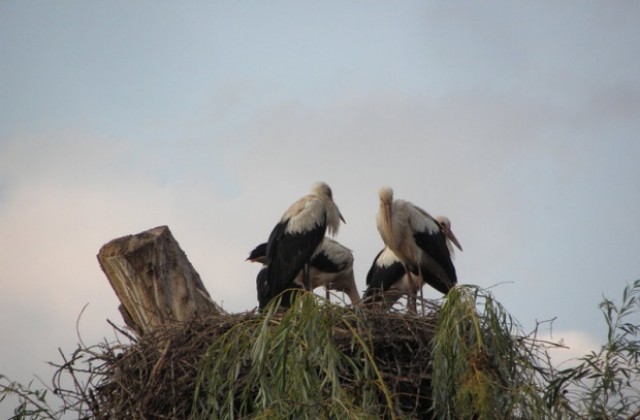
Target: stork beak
(387,213)
(449,234)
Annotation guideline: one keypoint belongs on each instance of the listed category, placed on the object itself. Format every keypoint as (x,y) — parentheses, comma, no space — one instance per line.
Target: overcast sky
(519,121)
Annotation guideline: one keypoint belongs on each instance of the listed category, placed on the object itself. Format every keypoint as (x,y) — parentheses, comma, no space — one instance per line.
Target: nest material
(155,377)
(401,345)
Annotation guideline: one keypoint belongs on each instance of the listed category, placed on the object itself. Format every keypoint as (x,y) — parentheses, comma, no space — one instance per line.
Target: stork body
(387,279)
(259,254)
(331,266)
(419,241)
(295,239)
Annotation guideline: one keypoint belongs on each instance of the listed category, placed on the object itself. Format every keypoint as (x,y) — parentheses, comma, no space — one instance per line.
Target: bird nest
(315,360)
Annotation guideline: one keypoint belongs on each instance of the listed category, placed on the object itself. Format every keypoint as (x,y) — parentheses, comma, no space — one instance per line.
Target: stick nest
(166,374)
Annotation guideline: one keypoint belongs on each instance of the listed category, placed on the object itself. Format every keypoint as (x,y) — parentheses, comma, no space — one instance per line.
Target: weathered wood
(154,281)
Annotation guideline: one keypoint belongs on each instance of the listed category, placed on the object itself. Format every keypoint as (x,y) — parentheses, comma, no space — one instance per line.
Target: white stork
(419,241)
(387,279)
(330,266)
(295,239)
(259,255)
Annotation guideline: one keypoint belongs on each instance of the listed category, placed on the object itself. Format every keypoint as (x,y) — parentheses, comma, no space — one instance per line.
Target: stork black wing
(323,262)
(287,253)
(371,272)
(265,294)
(380,278)
(439,271)
(262,286)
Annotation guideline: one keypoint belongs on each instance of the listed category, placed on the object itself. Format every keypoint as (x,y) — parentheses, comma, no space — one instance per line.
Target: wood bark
(154,281)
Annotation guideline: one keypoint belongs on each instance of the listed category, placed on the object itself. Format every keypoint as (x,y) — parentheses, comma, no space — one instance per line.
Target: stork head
(259,254)
(323,190)
(445,224)
(386,195)
(386,200)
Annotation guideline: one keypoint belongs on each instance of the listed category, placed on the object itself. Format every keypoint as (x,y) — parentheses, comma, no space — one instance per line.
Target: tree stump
(154,281)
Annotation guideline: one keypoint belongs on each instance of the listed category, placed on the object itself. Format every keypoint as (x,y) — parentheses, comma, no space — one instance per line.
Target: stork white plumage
(387,279)
(331,267)
(419,241)
(295,239)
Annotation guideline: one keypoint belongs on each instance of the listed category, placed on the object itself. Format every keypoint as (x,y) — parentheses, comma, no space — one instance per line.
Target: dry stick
(634,415)
(78,325)
(121,331)
(69,366)
(371,358)
(160,361)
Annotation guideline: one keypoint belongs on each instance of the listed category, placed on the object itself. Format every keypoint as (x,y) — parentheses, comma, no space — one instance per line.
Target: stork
(259,255)
(387,279)
(295,238)
(330,266)
(419,241)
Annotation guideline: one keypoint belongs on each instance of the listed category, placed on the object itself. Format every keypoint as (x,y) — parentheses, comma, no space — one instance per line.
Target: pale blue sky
(518,121)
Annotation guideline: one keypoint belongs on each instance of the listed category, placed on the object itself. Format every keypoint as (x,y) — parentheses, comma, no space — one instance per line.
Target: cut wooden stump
(154,281)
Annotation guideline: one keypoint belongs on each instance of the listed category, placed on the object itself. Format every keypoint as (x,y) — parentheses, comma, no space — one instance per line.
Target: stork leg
(306,277)
(420,284)
(411,298)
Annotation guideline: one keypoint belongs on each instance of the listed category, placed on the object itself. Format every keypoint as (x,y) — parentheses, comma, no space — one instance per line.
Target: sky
(519,121)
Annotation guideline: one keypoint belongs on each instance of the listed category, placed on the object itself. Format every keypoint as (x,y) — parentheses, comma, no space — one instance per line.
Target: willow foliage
(466,358)
(296,365)
(483,366)
(291,365)
(605,384)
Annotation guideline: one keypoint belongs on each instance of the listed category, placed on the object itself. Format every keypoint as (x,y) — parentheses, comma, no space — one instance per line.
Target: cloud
(484,161)
(528,146)
(577,343)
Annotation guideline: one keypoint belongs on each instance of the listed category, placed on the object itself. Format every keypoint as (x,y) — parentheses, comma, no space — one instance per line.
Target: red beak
(449,234)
